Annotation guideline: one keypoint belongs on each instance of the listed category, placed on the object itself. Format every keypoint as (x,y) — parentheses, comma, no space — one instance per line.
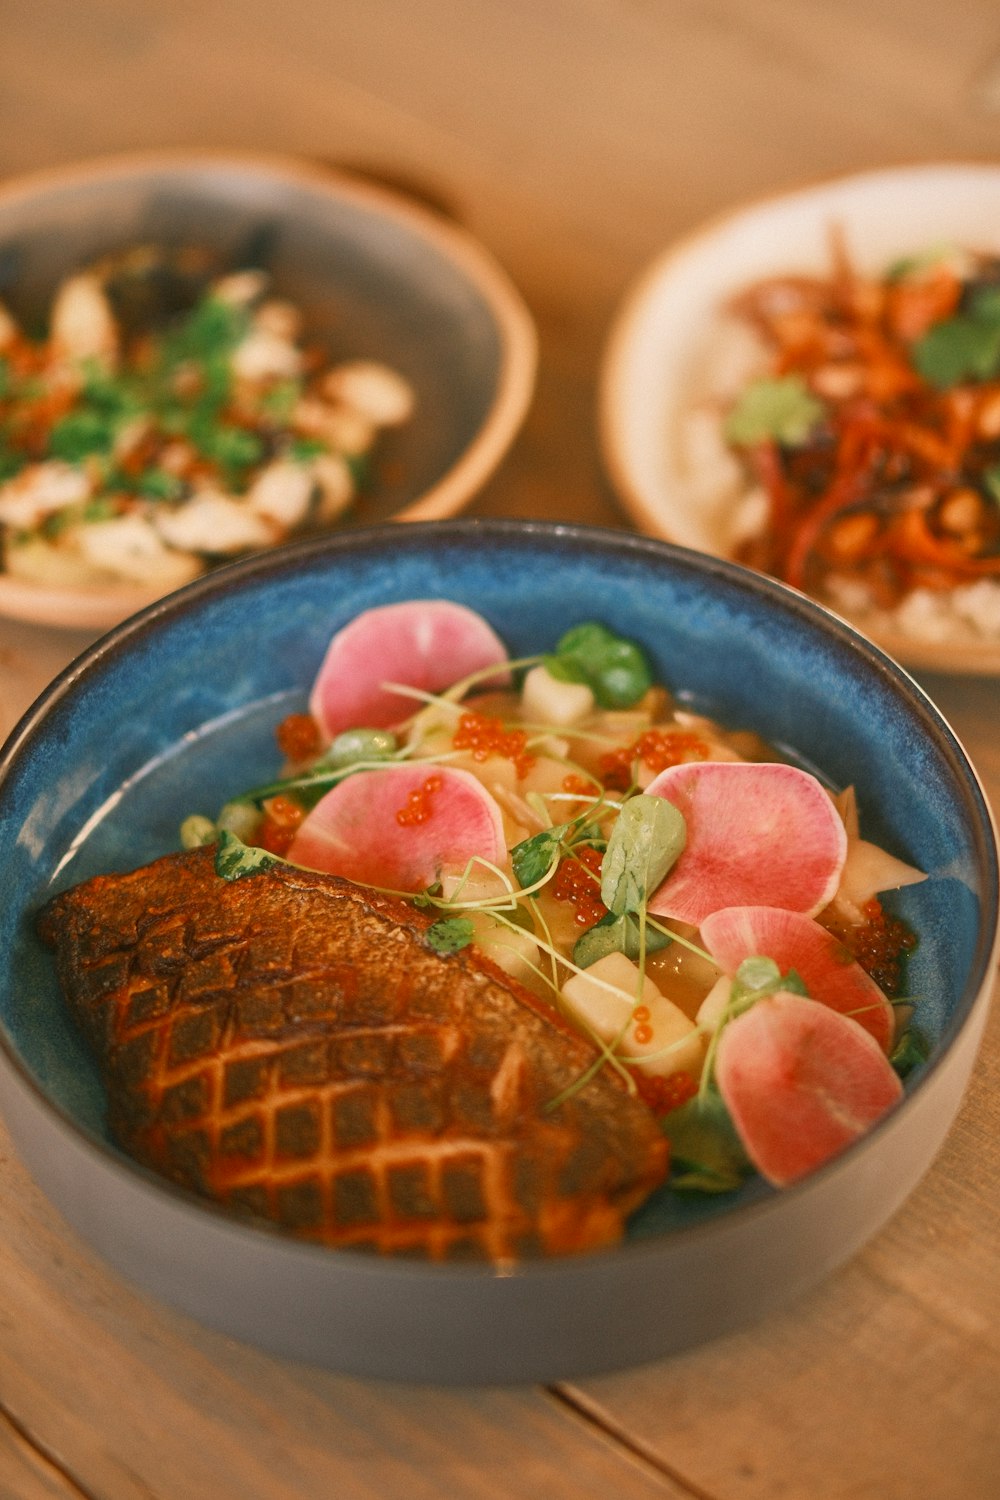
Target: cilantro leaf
(964,347)
(783,409)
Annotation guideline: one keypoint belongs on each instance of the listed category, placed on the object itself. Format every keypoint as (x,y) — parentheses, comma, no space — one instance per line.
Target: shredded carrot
(890,444)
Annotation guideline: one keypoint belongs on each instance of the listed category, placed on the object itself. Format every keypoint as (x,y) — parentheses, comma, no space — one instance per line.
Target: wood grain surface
(575,137)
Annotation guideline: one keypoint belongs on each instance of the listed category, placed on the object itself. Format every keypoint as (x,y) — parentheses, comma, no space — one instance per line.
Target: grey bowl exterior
(545,1322)
(660,1291)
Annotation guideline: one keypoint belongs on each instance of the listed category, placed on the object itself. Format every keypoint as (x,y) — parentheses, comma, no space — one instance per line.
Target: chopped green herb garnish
(81,433)
(782,410)
(280,401)
(965,347)
(159,484)
(304,449)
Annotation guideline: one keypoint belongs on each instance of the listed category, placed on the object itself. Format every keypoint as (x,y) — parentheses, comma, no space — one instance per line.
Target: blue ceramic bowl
(375,274)
(176,708)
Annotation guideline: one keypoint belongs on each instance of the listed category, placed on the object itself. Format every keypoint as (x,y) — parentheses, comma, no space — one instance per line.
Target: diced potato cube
(546,700)
(711,1008)
(660,1039)
(511,948)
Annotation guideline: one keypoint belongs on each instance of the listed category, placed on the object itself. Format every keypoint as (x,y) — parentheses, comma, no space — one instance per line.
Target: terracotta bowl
(375,274)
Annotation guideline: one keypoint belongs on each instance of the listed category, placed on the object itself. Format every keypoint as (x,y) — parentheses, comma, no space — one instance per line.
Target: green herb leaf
(648,838)
(449,935)
(80,433)
(909,1052)
(614,668)
(705,1152)
(991,483)
(758,975)
(159,484)
(532,858)
(302,450)
(783,409)
(280,401)
(919,264)
(235,860)
(965,347)
(617,934)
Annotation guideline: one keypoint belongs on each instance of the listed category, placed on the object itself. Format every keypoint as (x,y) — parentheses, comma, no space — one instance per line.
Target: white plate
(661,339)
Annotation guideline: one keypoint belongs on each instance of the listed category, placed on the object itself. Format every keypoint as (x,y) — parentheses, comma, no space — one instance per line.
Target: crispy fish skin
(289,1045)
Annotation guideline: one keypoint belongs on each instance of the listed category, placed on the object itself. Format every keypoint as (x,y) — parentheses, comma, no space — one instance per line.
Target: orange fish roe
(664,1094)
(880,945)
(643,1032)
(298,737)
(282,816)
(484,737)
(656,749)
(417,807)
(578,880)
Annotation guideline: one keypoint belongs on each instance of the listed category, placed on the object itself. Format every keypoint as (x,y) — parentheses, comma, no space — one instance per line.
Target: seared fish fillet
(289,1045)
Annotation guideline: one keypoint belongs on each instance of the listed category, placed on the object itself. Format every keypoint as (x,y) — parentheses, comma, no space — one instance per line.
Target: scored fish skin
(289,1045)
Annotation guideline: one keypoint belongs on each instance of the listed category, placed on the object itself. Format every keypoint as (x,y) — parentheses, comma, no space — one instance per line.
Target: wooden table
(575,137)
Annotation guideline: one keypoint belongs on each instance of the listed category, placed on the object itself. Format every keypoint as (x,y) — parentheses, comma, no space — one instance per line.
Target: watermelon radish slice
(401,828)
(796,942)
(424,643)
(801,1082)
(765,835)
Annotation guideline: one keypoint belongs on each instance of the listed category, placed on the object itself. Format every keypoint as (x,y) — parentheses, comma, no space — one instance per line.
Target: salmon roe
(656,749)
(485,736)
(282,816)
(664,1094)
(298,737)
(578,880)
(417,807)
(643,1032)
(880,945)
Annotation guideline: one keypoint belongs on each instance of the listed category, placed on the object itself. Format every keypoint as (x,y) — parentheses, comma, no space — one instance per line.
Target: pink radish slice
(796,942)
(763,835)
(424,643)
(801,1082)
(355,830)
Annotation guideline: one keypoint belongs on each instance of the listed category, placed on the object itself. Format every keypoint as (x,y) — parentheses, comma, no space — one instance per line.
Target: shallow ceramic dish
(375,274)
(665,339)
(194,711)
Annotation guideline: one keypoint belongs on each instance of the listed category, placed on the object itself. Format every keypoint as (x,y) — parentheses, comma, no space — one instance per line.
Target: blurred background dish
(373,277)
(677,360)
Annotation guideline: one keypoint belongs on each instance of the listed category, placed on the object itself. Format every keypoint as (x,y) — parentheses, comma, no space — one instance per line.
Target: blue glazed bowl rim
(583,539)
